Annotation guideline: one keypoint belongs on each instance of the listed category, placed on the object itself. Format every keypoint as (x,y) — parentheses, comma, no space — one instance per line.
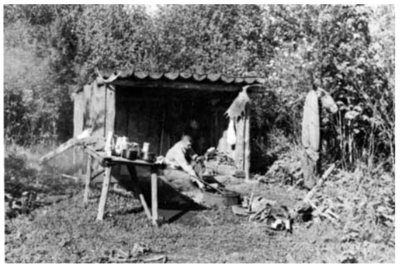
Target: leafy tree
(34,75)
(348,50)
(331,47)
(113,37)
(212,38)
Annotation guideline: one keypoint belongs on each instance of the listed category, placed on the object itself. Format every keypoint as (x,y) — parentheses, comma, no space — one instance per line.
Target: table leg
(139,192)
(87,180)
(104,192)
(154,197)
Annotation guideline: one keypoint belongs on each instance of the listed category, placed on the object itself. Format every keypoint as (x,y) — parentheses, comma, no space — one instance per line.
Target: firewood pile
(219,157)
(220,163)
(287,169)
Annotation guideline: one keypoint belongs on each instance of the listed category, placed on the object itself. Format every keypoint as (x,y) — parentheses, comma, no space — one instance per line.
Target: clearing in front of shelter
(57,228)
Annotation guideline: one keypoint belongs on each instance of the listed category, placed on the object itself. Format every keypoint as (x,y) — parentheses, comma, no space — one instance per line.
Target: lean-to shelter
(159,107)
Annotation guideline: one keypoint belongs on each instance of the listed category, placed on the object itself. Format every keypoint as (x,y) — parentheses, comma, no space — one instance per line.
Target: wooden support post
(247,143)
(87,181)
(110,109)
(154,196)
(62,148)
(104,192)
(239,149)
(145,206)
(162,132)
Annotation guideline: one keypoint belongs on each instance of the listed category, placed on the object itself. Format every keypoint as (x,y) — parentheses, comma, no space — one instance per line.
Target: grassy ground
(68,232)
(64,231)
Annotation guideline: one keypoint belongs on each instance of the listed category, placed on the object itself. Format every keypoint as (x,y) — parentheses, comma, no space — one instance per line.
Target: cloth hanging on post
(237,115)
(310,135)
(310,138)
(238,106)
(231,136)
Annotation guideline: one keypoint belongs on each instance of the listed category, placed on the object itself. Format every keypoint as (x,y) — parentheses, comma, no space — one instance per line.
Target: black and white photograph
(165,133)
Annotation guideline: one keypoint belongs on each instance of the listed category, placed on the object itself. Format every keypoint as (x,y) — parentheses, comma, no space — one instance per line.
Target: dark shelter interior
(161,116)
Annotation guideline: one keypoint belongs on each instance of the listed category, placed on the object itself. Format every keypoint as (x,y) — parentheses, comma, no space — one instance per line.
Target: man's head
(187,141)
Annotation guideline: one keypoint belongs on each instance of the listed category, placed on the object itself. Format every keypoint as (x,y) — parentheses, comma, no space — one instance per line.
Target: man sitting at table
(181,163)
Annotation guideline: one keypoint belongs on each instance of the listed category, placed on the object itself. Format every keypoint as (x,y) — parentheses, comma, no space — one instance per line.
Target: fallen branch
(255,215)
(332,214)
(319,212)
(323,214)
(251,198)
(299,181)
(207,219)
(311,193)
(70,177)
(162,258)
(156,258)
(123,253)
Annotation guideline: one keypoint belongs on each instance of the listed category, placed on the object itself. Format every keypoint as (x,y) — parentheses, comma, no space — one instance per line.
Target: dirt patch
(67,232)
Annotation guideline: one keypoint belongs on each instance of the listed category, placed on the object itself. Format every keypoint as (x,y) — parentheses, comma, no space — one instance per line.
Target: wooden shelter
(159,107)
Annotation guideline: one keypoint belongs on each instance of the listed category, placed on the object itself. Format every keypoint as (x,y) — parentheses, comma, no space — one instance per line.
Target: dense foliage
(336,47)
(50,50)
(348,50)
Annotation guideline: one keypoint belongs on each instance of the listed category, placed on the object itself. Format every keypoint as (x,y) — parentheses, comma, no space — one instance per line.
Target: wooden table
(108,162)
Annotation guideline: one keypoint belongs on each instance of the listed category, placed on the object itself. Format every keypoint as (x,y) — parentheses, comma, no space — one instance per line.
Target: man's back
(179,156)
(176,150)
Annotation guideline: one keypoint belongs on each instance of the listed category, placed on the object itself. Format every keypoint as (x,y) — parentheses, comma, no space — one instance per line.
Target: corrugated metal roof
(184,76)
